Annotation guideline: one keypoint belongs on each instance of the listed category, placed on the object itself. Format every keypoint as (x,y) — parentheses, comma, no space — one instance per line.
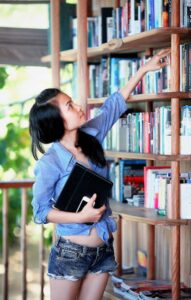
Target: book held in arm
(80,186)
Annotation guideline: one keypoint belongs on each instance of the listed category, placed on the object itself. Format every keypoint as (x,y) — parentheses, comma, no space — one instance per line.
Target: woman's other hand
(89,213)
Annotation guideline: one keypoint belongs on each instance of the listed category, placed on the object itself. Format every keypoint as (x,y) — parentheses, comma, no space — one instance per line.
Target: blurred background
(24,40)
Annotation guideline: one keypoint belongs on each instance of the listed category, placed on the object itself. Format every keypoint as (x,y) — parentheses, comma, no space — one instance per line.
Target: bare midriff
(91,240)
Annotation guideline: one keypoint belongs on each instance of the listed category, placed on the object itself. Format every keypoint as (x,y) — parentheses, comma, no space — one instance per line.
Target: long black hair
(46,126)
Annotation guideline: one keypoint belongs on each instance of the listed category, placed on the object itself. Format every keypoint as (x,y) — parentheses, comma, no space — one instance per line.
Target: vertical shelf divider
(150,228)
(55,42)
(82,80)
(175,186)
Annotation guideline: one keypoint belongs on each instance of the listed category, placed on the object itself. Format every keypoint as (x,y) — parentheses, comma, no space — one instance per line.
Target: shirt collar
(65,156)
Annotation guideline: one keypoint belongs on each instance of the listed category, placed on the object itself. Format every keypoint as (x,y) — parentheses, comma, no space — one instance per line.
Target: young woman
(82,256)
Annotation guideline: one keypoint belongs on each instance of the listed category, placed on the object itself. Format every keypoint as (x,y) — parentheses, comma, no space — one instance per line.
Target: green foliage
(3,77)
(15,161)
(13,148)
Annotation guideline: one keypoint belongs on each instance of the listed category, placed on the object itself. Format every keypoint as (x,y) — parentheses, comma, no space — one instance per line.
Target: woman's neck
(69,140)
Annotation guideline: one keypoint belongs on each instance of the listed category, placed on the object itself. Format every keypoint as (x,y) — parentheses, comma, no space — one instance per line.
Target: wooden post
(118,244)
(116,3)
(151,252)
(175,103)
(149,108)
(55,51)
(23,243)
(55,42)
(5,245)
(82,53)
(150,228)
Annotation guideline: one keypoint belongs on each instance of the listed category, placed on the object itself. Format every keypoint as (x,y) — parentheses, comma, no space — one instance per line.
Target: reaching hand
(158,61)
(91,214)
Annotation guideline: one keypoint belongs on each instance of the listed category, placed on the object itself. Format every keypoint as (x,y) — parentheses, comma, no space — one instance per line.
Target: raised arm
(157,62)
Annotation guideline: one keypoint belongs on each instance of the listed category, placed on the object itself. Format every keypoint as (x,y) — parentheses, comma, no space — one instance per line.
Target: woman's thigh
(93,286)
(61,289)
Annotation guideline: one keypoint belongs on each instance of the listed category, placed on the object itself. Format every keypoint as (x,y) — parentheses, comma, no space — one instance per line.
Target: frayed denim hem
(66,277)
(111,272)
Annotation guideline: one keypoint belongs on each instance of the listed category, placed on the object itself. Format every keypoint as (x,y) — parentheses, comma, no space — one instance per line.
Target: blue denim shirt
(53,168)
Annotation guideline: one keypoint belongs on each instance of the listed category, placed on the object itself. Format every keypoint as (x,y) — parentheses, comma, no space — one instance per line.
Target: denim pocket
(69,254)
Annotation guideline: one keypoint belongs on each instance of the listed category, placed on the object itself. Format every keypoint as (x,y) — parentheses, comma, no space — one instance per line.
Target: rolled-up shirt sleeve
(113,107)
(46,177)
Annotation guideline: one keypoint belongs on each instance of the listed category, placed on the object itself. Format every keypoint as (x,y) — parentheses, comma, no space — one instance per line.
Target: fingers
(102,209)
(164,52)
(93,197)
(91,214)
(163,57)
(92,200)
(100,212)
(163,64)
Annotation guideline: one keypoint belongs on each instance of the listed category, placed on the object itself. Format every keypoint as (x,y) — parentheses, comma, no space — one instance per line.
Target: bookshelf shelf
(128,155)
(146,97)
(144,215)
(155,39)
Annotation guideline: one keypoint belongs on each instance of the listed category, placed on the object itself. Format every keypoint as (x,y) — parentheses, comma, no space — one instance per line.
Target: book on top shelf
(133,17)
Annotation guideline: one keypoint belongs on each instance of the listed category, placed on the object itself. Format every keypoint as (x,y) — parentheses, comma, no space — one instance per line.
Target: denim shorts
(72,261)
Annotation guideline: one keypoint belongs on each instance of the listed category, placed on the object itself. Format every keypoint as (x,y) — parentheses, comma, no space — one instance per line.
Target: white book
(109,28)
(185,145)
(185,200)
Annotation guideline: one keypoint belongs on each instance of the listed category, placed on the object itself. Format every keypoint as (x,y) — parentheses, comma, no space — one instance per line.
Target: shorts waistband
(82,248)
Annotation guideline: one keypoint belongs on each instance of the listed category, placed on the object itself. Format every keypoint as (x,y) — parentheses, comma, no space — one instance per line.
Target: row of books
(185,67)
(157,189)
(114,72)
(148,132)
(143,15)
(133,17)
(128,180)
(149,186)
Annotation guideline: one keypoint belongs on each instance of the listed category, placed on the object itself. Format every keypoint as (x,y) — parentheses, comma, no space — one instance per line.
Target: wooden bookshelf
(130,155)
(155,39)
(146,97)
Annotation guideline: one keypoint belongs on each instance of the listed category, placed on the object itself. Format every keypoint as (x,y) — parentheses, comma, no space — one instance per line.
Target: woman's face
(72,113)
